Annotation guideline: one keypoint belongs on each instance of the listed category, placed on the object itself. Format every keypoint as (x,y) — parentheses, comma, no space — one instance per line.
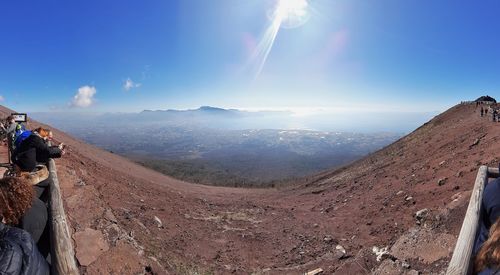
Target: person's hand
(61,146)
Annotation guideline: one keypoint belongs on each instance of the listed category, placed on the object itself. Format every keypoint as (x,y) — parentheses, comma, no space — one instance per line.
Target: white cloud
(129,84)
(84,97)
(2,98)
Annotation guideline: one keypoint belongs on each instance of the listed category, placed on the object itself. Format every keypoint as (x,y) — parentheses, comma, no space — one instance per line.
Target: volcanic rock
(90,244)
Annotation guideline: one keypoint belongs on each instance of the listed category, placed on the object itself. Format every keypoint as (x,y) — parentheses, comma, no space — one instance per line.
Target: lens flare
(286,14)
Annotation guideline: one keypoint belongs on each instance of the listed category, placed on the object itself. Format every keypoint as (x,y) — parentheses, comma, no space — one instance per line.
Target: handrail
(460,263)
(61,245)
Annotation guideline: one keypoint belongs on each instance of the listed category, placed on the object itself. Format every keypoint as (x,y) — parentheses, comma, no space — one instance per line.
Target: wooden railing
(62,253)
(461,261)
(61,245)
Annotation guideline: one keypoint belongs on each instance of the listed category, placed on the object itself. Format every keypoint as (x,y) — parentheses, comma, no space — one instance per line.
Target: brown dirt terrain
(127,219)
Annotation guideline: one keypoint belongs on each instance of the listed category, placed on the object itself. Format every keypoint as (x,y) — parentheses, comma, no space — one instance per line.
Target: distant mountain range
(204,109)
(213,111)
(233,119)
(221,146)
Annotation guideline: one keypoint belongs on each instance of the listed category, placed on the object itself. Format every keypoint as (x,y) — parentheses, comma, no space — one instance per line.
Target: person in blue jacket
(490,212)
(19,253)
(34,150)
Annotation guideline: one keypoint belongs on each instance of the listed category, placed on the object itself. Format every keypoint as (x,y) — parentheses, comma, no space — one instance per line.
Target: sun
(292,13)
(285,14)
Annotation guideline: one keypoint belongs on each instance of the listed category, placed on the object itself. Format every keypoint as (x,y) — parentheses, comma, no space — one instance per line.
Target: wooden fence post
(61,244)
(460,263)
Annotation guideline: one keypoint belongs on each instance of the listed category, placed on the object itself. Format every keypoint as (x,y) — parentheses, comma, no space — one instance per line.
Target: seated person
(34,150)
(487,261)
(34,218)
(490,211)
(18,251)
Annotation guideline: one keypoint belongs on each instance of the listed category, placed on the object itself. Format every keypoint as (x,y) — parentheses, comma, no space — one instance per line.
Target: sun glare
(292,13)
(286,14)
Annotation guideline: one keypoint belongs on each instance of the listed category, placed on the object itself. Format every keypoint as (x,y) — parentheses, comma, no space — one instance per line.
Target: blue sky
(132,55)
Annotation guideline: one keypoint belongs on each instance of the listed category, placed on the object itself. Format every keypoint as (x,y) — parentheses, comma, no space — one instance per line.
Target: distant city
(219,146)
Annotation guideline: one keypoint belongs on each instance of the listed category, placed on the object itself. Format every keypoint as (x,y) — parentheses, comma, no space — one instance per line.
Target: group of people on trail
(29,148)
(495,117)
(24,233)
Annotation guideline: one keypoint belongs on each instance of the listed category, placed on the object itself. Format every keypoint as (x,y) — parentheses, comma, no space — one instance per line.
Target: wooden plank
(460,263)
(61,244)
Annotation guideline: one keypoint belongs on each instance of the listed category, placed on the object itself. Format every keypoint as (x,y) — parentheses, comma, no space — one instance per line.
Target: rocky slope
(127,219)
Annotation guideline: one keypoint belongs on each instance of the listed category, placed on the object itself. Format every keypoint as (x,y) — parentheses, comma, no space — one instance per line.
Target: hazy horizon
(356,121)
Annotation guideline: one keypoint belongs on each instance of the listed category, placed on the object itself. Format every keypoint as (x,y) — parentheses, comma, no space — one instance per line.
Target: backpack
(20,137)
(19,130)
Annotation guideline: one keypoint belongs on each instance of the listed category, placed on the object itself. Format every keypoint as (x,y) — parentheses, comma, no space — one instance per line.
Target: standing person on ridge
(11,126)
(10,130)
